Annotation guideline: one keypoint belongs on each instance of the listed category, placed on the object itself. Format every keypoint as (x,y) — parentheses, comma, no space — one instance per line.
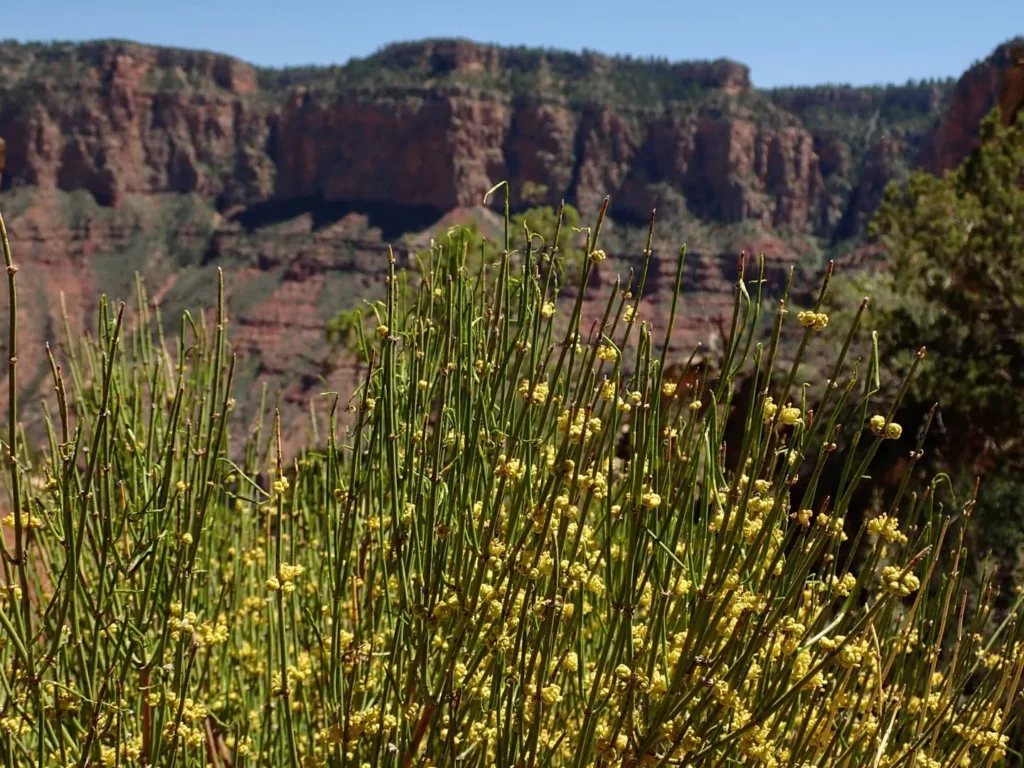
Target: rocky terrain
(124,159)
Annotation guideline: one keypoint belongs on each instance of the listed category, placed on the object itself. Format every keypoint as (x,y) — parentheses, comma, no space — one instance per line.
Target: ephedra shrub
(476,569)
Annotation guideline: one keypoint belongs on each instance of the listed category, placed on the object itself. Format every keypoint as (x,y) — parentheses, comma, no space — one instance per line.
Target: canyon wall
(124,159)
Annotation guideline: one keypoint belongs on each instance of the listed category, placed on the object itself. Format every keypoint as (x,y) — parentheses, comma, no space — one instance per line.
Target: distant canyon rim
(124,158)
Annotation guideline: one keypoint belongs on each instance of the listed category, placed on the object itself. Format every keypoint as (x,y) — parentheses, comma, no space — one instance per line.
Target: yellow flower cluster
(816,321)
(285,579)
(538,395)
(788,415)
(890,431)
(28,521)
(581,428)
(900,582)
(887,528)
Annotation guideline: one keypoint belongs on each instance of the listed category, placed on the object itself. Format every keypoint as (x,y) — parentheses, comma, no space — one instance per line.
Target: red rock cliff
(123,158)
(428,124)
(119,118)
(976,93)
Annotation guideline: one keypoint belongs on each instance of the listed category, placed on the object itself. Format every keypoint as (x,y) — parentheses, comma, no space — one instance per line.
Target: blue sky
(784,42)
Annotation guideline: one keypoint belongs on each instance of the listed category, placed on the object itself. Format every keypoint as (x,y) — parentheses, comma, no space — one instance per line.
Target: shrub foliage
(955,282)
(476,568)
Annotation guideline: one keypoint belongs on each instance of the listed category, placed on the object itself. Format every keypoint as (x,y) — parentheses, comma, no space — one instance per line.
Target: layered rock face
(118,118)
(446,151)
(438,128)
(999,76)
(123,158)
(425,149)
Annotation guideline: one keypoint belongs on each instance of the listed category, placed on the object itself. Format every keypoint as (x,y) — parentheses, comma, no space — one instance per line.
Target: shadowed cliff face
(997,79)
(446,151)
(1011,94)
(123,158)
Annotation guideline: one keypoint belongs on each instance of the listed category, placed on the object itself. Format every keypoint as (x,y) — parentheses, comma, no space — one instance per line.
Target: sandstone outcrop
(976,93)
(124,158)
(432,124)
